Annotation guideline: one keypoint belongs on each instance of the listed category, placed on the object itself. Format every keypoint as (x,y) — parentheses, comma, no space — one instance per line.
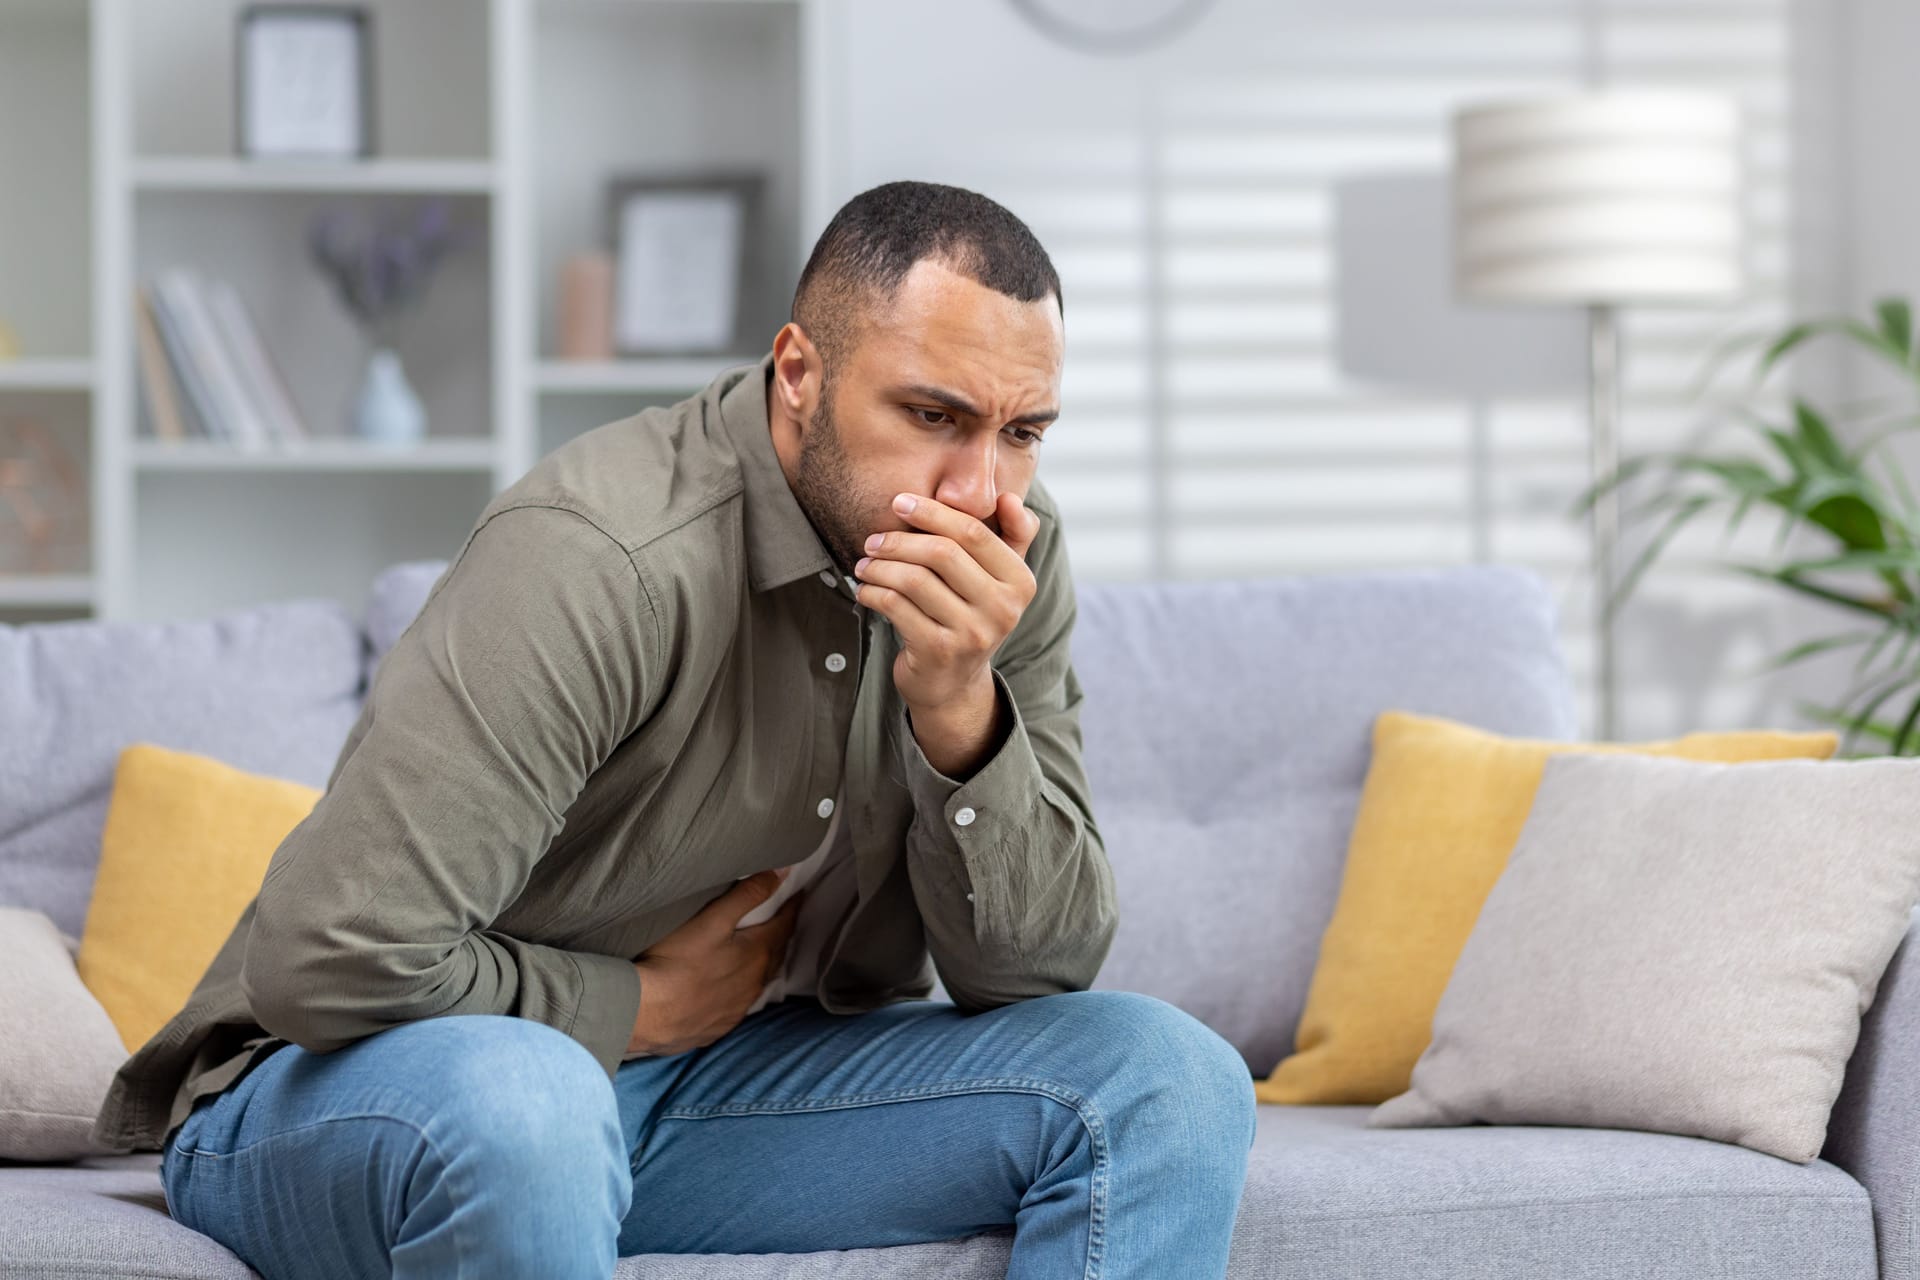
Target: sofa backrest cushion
(398,594)
(1227,731)
(272,689)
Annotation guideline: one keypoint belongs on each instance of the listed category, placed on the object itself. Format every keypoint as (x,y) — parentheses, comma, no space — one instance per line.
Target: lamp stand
(1603,392)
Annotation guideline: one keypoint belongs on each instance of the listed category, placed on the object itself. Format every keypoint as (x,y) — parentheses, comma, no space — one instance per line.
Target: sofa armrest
(1874,1133)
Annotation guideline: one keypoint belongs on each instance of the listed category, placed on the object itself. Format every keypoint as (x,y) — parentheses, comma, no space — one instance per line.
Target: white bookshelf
(46,374)
(344,455)
(189,173)
(732,71)
(47,269)
(516,112)
(47,591)
(632,376)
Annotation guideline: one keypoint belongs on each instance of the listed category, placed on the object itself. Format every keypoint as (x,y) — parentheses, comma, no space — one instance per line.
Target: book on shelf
(201,419)
(231,417)
(216,364)
(264,385)
(162,402)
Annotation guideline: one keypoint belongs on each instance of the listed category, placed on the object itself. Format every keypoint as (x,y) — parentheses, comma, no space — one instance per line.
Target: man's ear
(799,372)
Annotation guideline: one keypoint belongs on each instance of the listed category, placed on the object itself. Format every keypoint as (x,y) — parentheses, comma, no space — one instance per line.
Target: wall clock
(1112,26)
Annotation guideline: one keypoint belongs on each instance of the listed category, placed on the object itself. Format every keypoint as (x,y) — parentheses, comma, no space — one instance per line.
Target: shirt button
(969,897)
(836,662)
(826,576)
(963,816)
(826,807)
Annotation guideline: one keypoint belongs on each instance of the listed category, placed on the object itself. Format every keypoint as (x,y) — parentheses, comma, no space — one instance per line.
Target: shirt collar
(782,544)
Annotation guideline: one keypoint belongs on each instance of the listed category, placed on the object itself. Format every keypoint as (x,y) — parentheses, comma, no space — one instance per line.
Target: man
(502,1005)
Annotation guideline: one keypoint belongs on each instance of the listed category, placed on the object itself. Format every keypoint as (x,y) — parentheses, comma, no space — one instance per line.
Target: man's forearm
(1010,875)
(958,738)
(323,996)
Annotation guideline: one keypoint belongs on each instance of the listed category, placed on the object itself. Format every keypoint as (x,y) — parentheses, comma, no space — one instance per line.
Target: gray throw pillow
(1678,946)
(58,1048)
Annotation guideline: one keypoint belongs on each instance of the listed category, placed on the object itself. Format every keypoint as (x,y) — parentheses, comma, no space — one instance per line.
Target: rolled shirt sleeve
(530,660)
(1008,868)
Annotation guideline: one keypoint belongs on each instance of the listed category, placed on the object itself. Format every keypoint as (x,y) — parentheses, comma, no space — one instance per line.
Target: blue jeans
(1110,1129)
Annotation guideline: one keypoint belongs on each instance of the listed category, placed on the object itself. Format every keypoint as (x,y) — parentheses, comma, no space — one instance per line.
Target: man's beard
(828,492)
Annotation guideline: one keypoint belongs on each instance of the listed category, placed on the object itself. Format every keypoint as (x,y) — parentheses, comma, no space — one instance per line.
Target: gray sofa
(1227,727)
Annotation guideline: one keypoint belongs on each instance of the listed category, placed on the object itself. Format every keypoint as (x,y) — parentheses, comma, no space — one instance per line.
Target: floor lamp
(1600,199)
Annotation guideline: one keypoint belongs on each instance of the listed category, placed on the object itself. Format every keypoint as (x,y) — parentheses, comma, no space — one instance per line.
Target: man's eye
(937,412)
(1029,438)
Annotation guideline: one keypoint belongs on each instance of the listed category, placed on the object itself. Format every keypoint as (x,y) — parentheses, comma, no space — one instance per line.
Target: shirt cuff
(977,814)
(609,1005)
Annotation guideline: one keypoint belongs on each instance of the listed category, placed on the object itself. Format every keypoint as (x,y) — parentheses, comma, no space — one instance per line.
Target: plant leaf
(1825,644)
(1722,351)
(1885,558)
(1839,719)
(1687,511)
(1818,437)
(1621,474)
(1788,341)
(1797,335)
(1905,733)
(1880,699)
(1786,579)
(1896,326)
(1888,430)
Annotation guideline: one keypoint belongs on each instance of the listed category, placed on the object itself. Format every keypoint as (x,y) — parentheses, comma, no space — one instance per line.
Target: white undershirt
(828,874)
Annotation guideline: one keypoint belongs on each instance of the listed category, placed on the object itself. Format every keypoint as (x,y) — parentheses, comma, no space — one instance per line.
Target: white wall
(1880,100)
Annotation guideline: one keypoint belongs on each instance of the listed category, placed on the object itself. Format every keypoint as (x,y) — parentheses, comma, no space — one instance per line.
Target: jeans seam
(1082,1107)
(462,1251)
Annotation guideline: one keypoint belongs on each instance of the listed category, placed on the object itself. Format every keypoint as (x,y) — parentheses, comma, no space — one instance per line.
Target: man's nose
(970,483)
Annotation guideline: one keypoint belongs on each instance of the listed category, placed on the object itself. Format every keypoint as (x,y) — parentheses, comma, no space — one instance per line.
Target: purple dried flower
(380,271)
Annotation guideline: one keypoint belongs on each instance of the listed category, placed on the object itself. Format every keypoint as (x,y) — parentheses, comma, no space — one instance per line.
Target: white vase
(388,411)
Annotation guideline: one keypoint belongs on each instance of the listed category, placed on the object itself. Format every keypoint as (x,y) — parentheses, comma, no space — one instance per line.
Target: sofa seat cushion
(1325,1196)
(104,1216)
(107,1217)
(1328,1196)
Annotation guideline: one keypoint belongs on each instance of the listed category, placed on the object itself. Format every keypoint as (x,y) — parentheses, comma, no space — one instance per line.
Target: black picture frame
(361,19)
(747,187)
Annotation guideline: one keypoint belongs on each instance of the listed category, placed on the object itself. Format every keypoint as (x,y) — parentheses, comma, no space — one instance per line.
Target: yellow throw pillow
(1440,812)
(186,845)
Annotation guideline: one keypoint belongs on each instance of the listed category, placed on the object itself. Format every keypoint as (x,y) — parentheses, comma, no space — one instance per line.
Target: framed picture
(305,80)
(681,248)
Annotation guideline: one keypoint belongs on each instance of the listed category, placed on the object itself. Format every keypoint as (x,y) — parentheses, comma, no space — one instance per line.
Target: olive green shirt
(637,682)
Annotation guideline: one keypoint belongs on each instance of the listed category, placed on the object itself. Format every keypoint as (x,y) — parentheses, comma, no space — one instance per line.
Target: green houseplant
(1855,498)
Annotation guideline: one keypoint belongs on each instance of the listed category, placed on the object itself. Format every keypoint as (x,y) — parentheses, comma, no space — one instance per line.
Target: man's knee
(519,1089)
(1159,1056)
(500,1134)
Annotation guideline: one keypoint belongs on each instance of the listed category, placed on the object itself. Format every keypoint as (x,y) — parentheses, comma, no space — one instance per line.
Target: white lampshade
(1616,196)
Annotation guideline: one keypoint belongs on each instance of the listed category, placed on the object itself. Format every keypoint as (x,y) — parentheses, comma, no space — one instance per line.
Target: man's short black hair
(875,239)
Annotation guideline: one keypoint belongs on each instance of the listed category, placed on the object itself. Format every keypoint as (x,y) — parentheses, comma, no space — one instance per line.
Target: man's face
(947,395)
